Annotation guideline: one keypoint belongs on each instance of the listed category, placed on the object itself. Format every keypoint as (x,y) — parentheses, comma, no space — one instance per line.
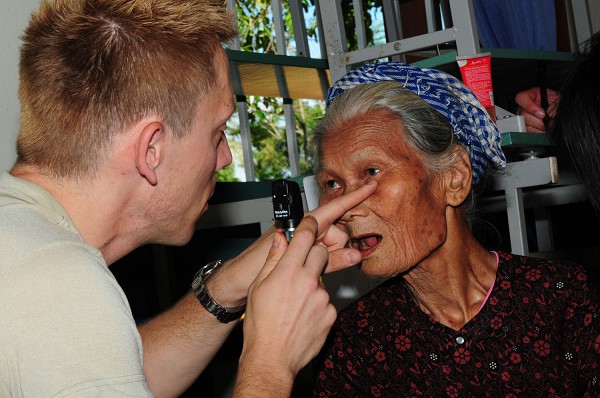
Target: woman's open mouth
(367,244)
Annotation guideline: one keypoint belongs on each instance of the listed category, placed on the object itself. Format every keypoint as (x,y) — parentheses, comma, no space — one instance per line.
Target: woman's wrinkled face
(404,220)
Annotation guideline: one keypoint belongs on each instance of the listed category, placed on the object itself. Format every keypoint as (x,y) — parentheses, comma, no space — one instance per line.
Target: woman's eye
(372,172)
(331,184)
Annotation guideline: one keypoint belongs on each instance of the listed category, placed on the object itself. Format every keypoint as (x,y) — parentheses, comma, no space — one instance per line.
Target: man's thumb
(277,250)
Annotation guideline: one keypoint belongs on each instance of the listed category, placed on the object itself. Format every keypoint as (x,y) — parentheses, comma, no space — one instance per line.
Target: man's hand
(333,238)
(229,286)
(288,313)
(530,108)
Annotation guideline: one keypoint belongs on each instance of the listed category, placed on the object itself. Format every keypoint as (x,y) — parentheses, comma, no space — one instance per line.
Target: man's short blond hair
(91,68)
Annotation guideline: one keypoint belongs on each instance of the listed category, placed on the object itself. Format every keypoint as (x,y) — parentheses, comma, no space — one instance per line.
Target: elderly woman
(453,319)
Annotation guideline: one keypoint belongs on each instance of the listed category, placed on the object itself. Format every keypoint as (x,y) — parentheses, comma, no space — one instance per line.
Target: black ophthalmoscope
(287,206)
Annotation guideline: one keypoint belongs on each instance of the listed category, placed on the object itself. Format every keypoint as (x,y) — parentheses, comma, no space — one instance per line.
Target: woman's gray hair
(425,129)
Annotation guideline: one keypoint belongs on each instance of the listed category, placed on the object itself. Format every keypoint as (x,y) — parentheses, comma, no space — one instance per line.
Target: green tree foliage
(268,138)
(350,22)
(255,22)
(266,117)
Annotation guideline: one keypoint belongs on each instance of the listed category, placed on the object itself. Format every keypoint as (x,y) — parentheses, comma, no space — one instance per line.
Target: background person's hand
(530,107)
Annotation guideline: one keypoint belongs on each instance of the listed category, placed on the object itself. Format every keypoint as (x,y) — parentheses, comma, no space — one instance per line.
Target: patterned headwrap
(449,96)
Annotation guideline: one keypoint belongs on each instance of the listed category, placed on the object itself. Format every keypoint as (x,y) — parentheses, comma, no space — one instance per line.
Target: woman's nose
(360,210)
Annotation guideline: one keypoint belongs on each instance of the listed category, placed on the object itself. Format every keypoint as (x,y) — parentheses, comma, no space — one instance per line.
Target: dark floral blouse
(538,335)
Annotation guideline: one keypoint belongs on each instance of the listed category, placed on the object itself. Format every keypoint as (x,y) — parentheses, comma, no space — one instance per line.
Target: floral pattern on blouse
(538,335)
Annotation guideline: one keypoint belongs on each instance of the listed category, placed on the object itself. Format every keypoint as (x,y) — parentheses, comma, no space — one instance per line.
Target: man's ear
(149,150)
(458,177)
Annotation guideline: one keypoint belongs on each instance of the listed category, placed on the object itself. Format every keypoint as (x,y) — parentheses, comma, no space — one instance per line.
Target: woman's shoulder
(534,272)
(518,263)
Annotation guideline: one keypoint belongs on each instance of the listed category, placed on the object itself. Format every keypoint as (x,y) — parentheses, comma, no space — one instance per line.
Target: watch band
(224,315)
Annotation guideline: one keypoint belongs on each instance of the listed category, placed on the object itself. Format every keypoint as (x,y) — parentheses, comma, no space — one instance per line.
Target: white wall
(14,15)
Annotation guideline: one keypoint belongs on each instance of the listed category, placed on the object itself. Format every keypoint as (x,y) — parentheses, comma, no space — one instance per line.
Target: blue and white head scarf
(470,121)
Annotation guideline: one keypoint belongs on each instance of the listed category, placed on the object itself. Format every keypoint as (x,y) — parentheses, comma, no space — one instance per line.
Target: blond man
(124,104)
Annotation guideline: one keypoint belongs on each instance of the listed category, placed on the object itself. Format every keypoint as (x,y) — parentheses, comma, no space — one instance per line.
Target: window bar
(321,34)
(302,50)
(445,15)
(359,20)
(279,25)
(232,6)
(407,45)
(292,139)
(323,79)
(244,121)
(583,22)
(463,18)
(290,121)
(430,15)
(335,34)
(242,107)
(393,27)
(299,25)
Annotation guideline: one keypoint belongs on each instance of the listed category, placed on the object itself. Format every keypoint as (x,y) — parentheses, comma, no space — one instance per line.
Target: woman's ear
(458,177)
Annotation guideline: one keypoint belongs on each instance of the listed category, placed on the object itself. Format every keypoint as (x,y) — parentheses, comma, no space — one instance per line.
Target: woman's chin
(372,267)
(384,266)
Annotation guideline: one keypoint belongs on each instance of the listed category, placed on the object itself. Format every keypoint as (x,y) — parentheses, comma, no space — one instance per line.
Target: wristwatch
(224,315)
